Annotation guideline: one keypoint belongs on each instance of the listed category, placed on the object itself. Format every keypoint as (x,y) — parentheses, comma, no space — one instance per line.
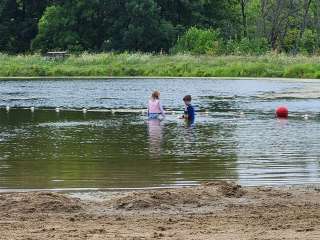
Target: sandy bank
(211,211)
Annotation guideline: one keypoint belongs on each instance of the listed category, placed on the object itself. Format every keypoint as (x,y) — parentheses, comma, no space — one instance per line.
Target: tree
(141,28)
(18,23)
(283,22)
(8,26)
(155,25)
(243,4)
(202,13)
(307,4)
(97,25)
(56,31)
(137,25)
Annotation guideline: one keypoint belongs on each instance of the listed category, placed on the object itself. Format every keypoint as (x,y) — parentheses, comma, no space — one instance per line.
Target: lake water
(235,136)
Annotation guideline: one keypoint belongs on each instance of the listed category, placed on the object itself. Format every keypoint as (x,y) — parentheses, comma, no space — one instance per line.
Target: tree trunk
(243,4)
(276,12)
(263,15)
(303,24)
(317,23)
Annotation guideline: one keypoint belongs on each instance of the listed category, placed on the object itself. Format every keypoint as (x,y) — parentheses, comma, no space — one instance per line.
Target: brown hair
(187,98)
(155,95)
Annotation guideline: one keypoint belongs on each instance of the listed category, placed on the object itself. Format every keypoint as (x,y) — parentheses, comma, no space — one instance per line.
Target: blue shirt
(189,111)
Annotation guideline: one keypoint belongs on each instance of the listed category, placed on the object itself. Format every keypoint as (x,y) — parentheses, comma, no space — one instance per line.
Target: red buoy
(282,112)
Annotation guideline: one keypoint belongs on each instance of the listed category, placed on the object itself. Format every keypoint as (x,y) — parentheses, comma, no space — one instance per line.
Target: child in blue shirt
(189,112)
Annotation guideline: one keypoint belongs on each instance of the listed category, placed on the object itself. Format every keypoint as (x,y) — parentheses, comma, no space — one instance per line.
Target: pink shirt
(154,106)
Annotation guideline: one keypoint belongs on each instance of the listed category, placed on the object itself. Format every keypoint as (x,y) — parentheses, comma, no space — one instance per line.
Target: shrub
(308,42)
(290,40)
(246,46)
(199,41)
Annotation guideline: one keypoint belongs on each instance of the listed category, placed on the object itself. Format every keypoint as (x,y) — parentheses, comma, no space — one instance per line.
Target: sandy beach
(216,210)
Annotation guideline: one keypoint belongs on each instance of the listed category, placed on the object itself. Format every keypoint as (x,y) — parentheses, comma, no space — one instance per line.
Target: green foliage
(246,46)
(107,25)
(202,13)
(138,64)
(199,41)
(139,28)
(18,23)
(54,33)
(290,40)
(246,27)
(308,43)
(208,41)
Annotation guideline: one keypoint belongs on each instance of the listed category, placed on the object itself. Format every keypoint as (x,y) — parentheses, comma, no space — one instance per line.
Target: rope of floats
(280,112)
(86,110)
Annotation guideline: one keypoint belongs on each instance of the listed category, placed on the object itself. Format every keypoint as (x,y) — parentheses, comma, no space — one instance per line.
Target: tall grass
(138,64)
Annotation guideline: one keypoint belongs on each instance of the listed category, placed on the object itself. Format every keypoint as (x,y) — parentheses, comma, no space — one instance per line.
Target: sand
(216,210)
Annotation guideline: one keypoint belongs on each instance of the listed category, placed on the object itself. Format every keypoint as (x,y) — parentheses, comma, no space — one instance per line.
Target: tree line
(291,26)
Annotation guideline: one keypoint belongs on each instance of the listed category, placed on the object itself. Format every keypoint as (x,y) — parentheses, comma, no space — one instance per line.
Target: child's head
(187,99)
(155,95)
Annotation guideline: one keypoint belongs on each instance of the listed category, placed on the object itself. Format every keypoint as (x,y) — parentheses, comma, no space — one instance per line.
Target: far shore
(152,77)
(143,65)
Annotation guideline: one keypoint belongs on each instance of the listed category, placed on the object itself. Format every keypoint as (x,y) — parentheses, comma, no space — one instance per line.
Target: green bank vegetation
(180,65)
(286,26)
(191,38)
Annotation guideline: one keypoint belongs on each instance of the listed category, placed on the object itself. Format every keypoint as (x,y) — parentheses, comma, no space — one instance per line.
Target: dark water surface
(236,136)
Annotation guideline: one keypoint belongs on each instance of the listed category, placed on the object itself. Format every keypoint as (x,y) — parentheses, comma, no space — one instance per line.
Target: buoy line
(280,112)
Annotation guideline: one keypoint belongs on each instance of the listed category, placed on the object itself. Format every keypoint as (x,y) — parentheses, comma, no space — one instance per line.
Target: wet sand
(216,210)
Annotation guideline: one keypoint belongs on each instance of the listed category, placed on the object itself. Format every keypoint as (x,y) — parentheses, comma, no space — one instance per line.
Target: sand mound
(38,202)
(196,197)
(226,189)
(211,211)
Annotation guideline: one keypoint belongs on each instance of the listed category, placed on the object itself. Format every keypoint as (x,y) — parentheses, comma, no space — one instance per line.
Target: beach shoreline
(216,210)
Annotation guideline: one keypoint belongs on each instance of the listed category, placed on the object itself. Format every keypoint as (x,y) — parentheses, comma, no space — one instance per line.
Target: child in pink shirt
(155,108)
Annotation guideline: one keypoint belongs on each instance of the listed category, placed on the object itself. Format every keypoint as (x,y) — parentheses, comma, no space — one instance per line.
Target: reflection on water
(235,137)
(155,133)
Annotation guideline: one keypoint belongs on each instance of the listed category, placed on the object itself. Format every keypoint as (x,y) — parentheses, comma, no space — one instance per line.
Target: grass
(137,64)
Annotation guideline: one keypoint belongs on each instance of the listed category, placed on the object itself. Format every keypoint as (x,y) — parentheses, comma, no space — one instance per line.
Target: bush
(290,41)
(246,46)
(199,41)
(308,43)
(209,41)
